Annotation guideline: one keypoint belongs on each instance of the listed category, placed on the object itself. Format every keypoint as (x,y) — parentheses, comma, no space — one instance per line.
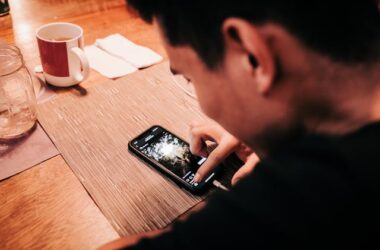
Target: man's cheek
(209,105)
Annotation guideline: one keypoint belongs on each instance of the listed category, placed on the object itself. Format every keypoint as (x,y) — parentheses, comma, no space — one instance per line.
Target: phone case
(179,181)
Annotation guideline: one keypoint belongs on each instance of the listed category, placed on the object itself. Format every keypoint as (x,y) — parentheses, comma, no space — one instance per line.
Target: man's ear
(244,37)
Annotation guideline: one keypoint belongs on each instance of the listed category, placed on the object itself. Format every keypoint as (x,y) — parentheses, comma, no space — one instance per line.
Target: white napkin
(107,65)
(119,46)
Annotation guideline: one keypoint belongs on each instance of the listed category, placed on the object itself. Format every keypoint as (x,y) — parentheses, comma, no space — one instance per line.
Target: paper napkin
(106,64)
(119,46)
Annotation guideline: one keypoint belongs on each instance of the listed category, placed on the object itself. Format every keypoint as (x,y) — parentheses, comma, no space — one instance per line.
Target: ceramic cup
(61,51)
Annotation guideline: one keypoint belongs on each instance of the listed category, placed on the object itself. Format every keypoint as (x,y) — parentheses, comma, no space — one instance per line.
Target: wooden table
(46,206)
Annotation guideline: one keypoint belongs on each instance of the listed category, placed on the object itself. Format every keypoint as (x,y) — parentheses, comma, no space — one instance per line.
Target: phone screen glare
(174,154)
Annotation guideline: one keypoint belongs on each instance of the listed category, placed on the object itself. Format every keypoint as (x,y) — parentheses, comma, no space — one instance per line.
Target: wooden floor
(46,207)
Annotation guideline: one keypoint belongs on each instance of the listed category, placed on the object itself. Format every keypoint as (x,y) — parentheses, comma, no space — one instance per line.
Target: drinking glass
(17,98)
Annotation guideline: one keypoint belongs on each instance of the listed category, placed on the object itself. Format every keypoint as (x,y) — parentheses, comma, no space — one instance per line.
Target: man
(298,83)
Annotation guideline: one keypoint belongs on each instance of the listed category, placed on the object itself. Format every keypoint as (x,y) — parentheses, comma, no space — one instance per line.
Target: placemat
(25,153)
(92,133)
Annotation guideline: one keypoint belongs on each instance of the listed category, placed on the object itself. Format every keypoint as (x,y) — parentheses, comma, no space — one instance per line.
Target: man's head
(258,65)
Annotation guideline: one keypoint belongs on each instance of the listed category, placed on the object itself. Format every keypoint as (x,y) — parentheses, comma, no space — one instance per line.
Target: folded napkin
(107,65)
(119,46)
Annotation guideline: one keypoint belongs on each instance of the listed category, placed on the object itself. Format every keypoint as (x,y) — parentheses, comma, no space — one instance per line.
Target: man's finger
(198,136)
(221,152)
(246,169)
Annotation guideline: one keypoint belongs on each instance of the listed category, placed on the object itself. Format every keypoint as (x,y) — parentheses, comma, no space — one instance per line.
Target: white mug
(61,50)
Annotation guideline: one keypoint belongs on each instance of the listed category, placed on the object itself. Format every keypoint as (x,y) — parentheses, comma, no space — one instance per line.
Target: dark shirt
(319,192)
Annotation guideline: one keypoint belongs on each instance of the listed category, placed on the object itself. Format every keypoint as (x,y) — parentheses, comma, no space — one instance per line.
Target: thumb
(246,169)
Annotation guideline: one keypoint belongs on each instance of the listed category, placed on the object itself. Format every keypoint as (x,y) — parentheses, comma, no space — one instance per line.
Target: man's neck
(352,99)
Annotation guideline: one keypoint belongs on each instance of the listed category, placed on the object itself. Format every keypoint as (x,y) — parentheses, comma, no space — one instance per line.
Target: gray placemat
(25,153)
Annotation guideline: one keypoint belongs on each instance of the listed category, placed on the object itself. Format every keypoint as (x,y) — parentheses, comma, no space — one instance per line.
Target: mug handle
(79,77)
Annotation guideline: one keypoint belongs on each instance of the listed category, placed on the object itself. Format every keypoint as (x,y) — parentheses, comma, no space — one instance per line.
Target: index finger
(215,158)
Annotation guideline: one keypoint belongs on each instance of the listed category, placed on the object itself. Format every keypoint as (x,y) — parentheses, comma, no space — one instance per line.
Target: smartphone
(171,155)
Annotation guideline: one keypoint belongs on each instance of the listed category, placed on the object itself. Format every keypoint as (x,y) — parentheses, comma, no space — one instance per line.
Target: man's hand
(226,144)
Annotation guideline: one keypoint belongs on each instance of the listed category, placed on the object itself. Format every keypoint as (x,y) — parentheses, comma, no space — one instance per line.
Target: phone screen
(171,152)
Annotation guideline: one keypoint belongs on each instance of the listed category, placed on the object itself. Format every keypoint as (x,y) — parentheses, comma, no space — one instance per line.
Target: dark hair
(346,30)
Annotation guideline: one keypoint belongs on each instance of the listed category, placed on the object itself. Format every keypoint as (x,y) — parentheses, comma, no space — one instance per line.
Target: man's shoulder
(350,160)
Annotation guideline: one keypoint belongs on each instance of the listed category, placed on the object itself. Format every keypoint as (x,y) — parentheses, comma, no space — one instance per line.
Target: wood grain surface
(92,133)
(38,218)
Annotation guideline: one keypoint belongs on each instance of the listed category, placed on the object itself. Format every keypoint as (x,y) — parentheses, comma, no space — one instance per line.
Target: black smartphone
(171,155)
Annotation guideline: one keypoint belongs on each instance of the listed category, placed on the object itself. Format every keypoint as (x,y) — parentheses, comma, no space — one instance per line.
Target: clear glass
(17,98)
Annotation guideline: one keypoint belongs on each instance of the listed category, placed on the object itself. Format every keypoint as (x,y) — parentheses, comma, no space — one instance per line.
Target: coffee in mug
(4,7)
